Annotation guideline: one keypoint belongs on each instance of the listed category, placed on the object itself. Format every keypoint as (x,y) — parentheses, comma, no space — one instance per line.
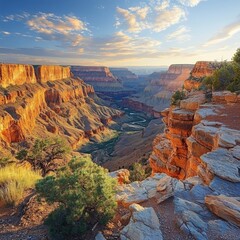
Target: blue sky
(118,32)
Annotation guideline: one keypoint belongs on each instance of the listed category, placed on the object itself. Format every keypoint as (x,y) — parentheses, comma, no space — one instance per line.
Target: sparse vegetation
(14,180)
(177,97)
(137,172)
(227,77)
(85,194)
(43,153)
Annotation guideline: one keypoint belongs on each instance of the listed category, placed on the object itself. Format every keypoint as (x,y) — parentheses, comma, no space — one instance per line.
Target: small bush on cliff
(14,180)
(177,97)
(137,173)
(85,194)
(44,152)
(227,77)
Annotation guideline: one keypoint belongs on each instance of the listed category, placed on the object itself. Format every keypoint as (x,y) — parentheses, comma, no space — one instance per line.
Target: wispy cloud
(226,33)
(190,3)
(181,34)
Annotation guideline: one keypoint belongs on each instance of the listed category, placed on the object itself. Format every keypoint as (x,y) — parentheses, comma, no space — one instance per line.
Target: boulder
(122,175)
(225,207)
(143,225)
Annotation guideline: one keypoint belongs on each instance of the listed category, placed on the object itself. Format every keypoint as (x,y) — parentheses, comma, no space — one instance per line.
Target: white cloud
(226,33)
(131,18)
(190,3)
(181,34)
(5,33)
(168,17)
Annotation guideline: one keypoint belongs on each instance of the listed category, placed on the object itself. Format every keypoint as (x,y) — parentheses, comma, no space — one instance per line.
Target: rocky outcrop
(143,225)
(65,107)
(201,69)
(162,85)
(198,137)
(46,73)
(100,77)
(16,74)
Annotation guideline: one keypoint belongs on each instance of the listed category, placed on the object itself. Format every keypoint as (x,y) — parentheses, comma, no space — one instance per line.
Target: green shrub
(177,97)
(43,153)
(14,180)
(137,173)
(85,194)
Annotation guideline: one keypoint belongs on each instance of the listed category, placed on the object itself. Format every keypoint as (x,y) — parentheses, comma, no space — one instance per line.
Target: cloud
(190,3)
(181,34)
(157,16)
(67,29)
(5,33)
(226,33)
(168,17)
(130,18)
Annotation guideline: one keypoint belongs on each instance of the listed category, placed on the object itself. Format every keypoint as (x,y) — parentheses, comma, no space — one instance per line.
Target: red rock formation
(194,129)
(16,74)
(46,73)
(201,69)
(124,74)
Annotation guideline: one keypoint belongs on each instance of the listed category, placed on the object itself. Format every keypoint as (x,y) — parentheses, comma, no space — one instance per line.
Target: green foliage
(137,173)
(14,180)
(177,97)
(43,153)
(85,194)
(236,56)
(227,77)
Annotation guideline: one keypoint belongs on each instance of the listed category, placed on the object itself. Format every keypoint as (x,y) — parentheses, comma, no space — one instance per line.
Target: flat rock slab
(222,163)
(225,207)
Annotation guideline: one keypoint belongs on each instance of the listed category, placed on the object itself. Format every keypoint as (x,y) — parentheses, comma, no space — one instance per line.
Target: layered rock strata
(100,77)
(65,107)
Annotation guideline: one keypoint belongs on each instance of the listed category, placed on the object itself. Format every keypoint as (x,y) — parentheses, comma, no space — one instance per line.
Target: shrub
(177,97)
(85,194)
(43,154)
(14,180)
(137,173)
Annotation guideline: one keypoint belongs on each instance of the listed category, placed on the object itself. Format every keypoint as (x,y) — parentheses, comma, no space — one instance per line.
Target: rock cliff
(200,70)
(162,85)
(16,74)
(65,107)
(100,77)
(46,73)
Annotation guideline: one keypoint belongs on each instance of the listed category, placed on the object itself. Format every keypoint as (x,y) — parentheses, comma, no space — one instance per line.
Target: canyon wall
(124,75)
(162,85)
(65,107)
(46,73)
(16,74)
(100,77)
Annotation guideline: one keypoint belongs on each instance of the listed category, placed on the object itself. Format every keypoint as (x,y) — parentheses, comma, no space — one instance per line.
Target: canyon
(158,92)
(46,101)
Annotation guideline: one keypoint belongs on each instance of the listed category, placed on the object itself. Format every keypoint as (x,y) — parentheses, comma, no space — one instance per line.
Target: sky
(118,32)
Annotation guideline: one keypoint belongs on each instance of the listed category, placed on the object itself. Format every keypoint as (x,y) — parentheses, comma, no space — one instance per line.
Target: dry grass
(14,180)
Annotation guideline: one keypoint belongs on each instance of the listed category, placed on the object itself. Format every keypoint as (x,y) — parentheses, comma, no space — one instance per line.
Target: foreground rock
(225,207)
(143,225)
